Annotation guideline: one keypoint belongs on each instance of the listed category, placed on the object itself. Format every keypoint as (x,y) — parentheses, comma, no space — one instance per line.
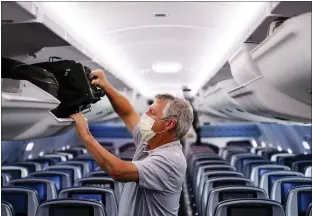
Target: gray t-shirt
(161,174)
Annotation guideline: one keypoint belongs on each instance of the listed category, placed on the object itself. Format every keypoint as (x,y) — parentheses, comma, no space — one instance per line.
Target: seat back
(221,182)
(30,166)
(46,189)
(73,171)
(281,187)
(86,158)
(251,164)
(309,211)
(103,182)
(254,207)
(239,143)
(300,166)
(44,161)
(104,195)
(239,160)
(24,200)
(220,194)
(97,174)
(7,209)
(277,156)
(267,153)
(210,168)
(255,150)
(308,172)
(201,157)
(68,156)
(57,157)
(215,174)
(229,153)
(298,201)
(267,179)
(258,171)
(83,166)
(60,179)
(16,172)
(5,178)
(75,207)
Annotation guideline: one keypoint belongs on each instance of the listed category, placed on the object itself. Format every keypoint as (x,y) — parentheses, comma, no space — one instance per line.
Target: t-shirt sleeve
(137,137)
(154,172)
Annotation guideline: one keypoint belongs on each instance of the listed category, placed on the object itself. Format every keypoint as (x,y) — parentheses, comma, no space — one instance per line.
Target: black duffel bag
(76,92)
(40,77)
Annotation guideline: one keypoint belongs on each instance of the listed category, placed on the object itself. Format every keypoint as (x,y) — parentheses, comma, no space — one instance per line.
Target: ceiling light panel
(167,67)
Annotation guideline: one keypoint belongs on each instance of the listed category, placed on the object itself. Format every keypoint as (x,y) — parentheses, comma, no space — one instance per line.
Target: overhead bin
(26,112)
(275,77)
(28,33)
(18,11)
(284,58)
(220,100)
(100,110)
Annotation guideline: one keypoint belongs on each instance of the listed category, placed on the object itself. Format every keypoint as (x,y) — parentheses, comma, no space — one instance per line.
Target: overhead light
(306,145)
(63,148)
(29,146)
(30,156)
(167,67)
(279,148)
(289,151)
(68,146)
(41,153)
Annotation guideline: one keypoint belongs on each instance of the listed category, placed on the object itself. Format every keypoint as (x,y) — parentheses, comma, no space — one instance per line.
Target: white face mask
(146,125)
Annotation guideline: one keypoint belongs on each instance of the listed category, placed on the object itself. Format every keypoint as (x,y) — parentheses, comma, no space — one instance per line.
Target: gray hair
(180,110)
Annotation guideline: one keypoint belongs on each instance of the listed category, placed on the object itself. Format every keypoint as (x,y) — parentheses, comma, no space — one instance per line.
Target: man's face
(155,111)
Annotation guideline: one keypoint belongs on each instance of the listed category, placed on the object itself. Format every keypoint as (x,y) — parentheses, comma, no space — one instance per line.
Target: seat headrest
(281,187)
(46,189)
(61,180)
(226,193)
(75,207)
(254,207)
(105,195)
(23,200)
(16,172)
(7,209)
(298,200)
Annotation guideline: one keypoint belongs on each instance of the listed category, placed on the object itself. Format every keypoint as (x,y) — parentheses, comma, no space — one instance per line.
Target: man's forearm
(120,103)
(107,161)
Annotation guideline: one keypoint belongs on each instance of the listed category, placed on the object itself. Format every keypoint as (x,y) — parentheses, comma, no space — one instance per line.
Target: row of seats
(60,182)
(241,180)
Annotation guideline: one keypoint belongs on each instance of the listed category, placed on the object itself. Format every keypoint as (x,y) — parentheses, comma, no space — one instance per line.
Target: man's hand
(82,127)
(99,78)
(114,166)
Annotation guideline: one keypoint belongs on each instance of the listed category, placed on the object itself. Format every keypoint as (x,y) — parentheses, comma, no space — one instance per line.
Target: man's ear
(172,123)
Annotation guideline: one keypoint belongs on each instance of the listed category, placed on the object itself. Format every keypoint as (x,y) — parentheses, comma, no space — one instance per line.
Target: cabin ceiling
(129,37)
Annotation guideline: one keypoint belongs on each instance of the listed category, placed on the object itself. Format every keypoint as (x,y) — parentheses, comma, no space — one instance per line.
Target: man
(195,123)
(154,177)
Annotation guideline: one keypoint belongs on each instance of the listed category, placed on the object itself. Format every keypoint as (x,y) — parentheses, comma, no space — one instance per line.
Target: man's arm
(120,103)
(118,169)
